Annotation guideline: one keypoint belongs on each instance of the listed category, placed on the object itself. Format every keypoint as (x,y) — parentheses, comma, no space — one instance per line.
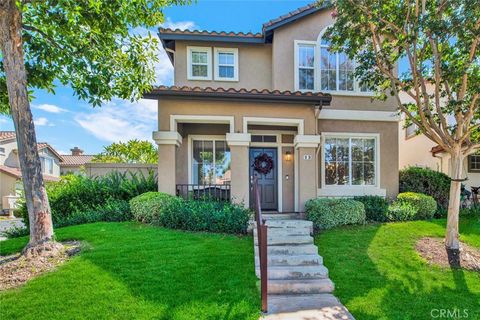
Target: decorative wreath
(263,163)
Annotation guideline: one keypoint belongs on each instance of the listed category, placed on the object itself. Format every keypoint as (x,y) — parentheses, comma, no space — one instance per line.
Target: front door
(263,164)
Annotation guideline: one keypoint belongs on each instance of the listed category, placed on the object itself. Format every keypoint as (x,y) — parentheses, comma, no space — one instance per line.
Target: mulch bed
(15,270)
(433,250)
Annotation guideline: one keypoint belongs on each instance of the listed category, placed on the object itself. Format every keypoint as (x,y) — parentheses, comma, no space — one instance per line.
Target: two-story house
(278,105)
(10,175)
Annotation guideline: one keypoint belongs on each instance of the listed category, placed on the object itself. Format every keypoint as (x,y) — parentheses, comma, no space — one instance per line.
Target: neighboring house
(280,99)
(416,150)
(10,174)
(74,162)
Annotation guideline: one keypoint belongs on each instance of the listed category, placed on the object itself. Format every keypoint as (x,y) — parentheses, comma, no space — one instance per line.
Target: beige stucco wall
(7,186)
(238,110)
(254,63)
(93,169)
(388,132)
(288,185)
(10,158)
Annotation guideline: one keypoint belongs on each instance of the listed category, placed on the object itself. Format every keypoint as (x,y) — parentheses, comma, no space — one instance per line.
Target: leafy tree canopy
(438,40)
(132,151)
(89,45)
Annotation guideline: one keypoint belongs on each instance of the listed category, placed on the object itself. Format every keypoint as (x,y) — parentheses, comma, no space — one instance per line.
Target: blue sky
(65,122)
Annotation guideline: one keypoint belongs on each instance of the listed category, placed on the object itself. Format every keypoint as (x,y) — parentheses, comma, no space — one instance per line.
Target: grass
(379,275)
(133,271)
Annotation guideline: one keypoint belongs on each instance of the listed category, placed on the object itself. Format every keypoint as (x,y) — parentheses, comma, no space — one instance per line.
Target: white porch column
(306,147)
(167,142)
(239,151)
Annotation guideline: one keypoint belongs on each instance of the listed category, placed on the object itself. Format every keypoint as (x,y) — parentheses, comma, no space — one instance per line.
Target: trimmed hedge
(412,206)
(195,215)
(376,207)
(426,181)
(401,211)
(326,213)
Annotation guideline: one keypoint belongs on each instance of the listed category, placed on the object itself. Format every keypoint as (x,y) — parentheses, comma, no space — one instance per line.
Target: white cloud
(182,25)
(42,121)
(121,120)
(50,108)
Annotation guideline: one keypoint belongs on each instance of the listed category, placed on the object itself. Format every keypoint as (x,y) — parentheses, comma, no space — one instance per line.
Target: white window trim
(208,50)
(351,190)
(298,44)
(235,64)
(192,138)
(49,159)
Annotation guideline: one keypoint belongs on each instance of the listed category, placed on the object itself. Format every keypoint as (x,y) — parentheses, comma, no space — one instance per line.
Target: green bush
(427,181)
(424,205)
(401,211)
(327,213)
(78,199)
(194,215)
(376,207)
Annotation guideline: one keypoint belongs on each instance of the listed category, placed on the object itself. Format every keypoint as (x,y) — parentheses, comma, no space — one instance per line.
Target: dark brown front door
(267,182)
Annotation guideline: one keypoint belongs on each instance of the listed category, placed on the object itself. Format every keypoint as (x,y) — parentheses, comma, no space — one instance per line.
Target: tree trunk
(41,228)
(452,242)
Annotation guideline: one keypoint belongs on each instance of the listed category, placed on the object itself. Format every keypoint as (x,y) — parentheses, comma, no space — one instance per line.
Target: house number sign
(307,157)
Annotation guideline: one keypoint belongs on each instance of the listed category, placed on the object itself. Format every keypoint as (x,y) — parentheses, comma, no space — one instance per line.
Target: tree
(132,151)
(438,40)
(87,45)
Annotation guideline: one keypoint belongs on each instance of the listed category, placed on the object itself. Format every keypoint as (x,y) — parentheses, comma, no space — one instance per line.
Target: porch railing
(262,244)
(219,192)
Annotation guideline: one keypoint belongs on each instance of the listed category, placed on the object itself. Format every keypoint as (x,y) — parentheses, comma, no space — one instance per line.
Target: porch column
(167,142)
(306,147)
(240,185)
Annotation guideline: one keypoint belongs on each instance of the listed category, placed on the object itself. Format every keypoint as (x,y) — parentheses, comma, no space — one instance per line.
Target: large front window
(47,165)
(350,161)
(211,162)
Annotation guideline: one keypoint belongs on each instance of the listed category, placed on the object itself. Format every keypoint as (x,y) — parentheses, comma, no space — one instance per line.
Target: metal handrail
(262,244)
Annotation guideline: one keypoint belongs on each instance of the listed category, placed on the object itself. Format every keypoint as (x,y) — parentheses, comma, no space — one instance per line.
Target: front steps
(298,281)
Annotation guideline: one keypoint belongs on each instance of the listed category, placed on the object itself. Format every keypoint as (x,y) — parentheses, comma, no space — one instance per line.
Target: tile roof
(7,135)
(70,160)
(290,14)
(210,33)
(243,93)
(15,172)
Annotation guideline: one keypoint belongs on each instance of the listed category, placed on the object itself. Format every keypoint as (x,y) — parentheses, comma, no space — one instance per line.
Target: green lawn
(133,271)
(379,275)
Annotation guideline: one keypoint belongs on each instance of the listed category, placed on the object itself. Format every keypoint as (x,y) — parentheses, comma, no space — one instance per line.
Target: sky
(65,122)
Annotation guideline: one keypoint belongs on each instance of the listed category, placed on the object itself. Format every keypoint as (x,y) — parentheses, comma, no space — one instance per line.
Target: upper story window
(318,68)
(474,162)
(226,64)
(199,61)
(2,151)
(47,165)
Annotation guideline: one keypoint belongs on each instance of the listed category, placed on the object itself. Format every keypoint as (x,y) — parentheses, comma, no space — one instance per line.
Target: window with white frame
(474,162)
(226,64)
(211,162)
(47,165)
(2,151)
(411,130)
(350,161)
(318,68)
(199,60)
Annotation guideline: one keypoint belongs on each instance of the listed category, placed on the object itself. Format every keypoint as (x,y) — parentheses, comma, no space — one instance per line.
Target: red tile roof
(15,172)
(210,33)
(70,160)
(7,135)
(291,14)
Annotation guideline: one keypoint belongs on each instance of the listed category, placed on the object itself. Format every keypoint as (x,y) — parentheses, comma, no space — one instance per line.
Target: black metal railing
(218,192)
(262,244)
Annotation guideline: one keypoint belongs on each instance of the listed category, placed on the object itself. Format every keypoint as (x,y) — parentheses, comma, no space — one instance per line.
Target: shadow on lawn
(189,275)
(378,273)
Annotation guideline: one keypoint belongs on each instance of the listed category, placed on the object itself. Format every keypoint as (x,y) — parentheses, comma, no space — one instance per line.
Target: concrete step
(279,216)
(290,250)
(289,223)
(312,286)
(285,231)
(273,240)
(295,272)
(292,260)
(309,306)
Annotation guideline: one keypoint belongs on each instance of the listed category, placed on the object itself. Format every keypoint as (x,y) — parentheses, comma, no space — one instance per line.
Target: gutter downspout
(316,111)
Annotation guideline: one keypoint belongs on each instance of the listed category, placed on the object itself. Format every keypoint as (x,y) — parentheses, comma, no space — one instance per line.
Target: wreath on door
(263,163)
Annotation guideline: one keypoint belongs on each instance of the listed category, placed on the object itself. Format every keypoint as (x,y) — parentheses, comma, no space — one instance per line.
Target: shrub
(16,232)
(78,199)
(424,205)
(327,213)
(426,181)
(194,215)
(376,207)
(401,211)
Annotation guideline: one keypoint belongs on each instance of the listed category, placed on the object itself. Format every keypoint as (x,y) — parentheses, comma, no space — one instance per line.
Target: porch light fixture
(288,156)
